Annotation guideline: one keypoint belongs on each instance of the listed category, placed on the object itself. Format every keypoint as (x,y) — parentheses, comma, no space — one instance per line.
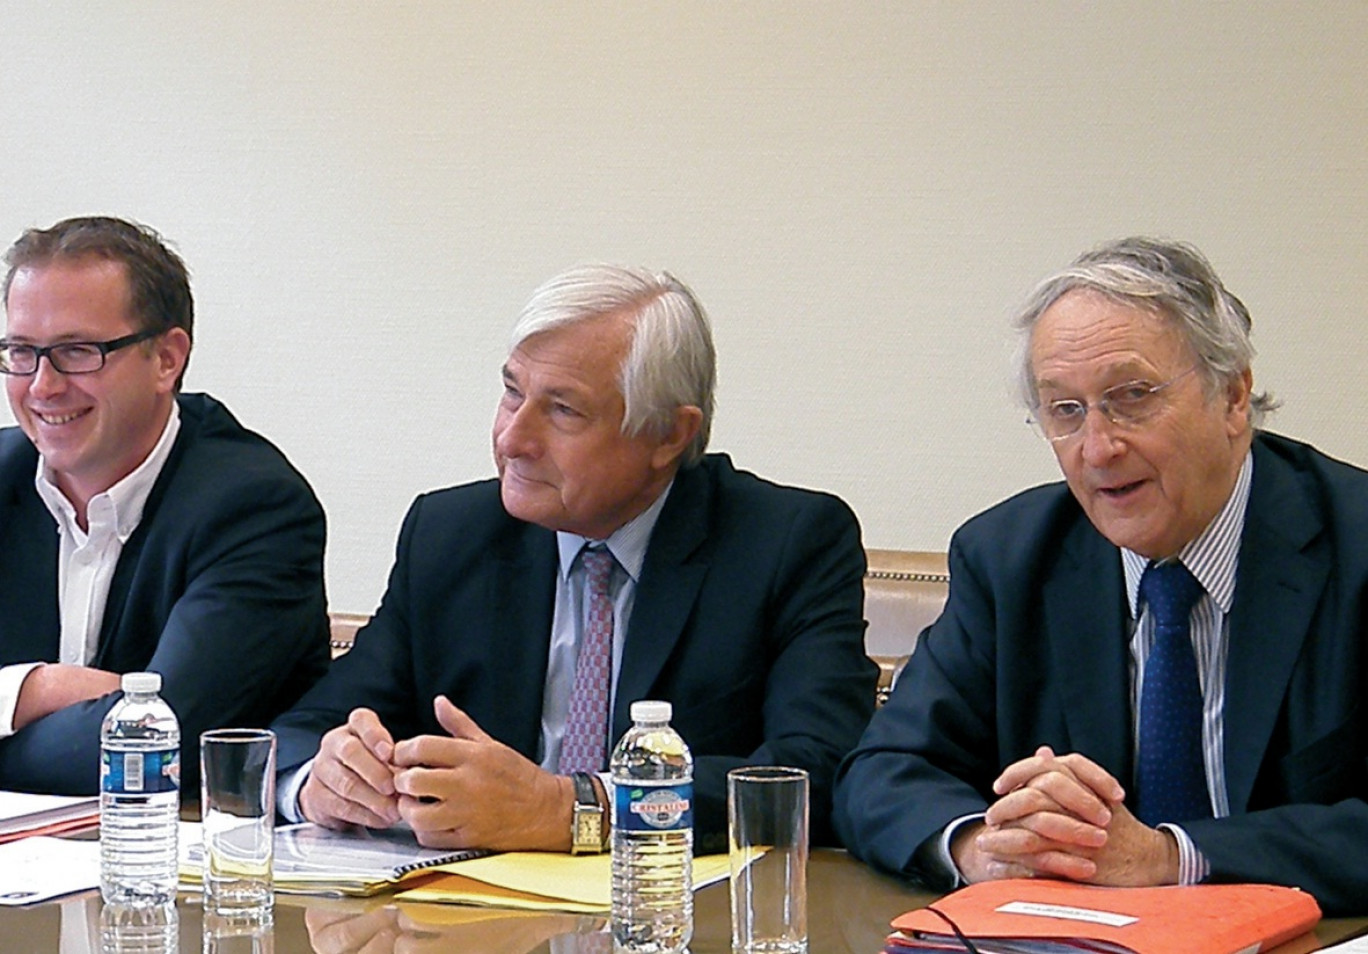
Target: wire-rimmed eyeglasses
(1125,405)
(67,357)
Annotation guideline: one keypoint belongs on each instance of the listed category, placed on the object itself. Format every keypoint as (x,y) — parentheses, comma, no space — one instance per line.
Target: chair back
(905,591)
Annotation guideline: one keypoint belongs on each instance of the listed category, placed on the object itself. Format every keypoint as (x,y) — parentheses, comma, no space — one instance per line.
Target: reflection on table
(849,908)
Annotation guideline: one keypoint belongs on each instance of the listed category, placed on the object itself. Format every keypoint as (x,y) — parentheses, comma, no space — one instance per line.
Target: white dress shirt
(86,560)
(1214,559)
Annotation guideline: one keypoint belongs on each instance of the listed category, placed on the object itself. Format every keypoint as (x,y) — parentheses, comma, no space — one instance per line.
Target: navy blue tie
(1170,778)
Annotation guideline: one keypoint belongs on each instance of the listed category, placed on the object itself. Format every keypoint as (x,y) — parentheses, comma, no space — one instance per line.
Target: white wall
(859,192)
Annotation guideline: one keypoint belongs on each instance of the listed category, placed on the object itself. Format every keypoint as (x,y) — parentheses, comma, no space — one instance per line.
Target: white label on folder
(1036,909)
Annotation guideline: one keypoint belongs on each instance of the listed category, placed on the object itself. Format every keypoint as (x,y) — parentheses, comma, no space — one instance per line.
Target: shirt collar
(125,500)
(627,543)
(1213,557)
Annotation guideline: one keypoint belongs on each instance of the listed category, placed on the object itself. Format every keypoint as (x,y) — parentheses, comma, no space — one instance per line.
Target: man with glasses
(140,528)
(1153,672)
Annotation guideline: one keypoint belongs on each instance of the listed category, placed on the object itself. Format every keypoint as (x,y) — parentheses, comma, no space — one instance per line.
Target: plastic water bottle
(652,835)
(139,795)
(139,929)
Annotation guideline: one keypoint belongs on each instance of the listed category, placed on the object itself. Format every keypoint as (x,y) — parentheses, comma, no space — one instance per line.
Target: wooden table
(849,908)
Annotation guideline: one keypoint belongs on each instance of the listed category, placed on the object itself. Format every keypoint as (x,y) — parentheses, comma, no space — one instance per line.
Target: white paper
(39,868)
(20,811)
(306,854)
(1067,913)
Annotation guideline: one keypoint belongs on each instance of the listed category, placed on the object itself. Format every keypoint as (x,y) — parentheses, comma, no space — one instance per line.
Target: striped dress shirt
(1213,558)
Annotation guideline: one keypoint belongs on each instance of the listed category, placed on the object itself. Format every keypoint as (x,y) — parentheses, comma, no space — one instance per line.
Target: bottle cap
(140,682)
(649,710)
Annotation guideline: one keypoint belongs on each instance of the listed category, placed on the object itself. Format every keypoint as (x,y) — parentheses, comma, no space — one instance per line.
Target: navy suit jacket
(1033,649)
(748,619)
(220,589)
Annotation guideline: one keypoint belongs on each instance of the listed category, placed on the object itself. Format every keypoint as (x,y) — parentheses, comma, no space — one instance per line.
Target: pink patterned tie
(586,724)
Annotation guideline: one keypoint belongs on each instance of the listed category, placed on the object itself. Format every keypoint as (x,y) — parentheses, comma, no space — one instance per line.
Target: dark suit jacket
(747,618)
(1033,649)
(220,589)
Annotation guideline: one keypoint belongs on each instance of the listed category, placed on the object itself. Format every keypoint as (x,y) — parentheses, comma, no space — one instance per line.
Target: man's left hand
(1047,823)
(469,790)
(1135,855)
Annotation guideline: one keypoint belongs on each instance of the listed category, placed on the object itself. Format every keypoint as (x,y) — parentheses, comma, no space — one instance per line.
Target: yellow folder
(539,881)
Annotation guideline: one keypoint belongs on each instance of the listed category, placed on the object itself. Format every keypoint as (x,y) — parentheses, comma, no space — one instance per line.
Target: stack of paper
(22,814)
(1032,916)
(361,862)
(538,881)
(310,859)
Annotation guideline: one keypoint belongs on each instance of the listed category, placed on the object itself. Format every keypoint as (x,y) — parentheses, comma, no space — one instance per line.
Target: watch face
(587,824)
(588,831)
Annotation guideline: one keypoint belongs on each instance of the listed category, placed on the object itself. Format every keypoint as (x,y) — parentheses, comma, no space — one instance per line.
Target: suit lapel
(30,620)
(108,653)
(670,582)
(107,650)
(1085,603)
(522,596)
(1279,585)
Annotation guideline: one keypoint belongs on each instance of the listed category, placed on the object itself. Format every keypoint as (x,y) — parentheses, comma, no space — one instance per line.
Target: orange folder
(1037,915)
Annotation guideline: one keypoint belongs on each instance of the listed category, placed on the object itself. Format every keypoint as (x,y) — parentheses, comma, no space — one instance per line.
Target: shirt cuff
(288,787)
(943,855)
(1193,866)
(11,681)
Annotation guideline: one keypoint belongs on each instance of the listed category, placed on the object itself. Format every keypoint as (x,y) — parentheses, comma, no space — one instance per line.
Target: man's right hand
(351,781)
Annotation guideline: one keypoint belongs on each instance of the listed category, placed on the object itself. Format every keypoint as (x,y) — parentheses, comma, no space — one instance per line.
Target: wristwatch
(587,829)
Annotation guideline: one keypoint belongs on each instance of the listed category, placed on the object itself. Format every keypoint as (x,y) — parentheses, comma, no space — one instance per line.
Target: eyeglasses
(1125,405)
(68,357)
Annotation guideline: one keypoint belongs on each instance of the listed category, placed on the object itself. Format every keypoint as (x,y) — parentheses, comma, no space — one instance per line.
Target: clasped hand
(462,790)
(1063,816)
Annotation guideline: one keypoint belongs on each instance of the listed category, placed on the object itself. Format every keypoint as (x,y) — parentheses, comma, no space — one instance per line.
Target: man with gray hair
(1153,672)
(612,560)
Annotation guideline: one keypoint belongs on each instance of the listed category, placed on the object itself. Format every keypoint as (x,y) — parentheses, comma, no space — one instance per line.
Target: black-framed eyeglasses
(1125,405)
(68,357)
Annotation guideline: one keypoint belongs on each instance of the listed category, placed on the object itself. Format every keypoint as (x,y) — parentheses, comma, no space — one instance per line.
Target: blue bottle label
(653,806)
(139,773)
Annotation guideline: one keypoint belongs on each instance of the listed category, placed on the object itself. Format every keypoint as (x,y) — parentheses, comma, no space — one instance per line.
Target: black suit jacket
(1033,649)
(748,619)
(220,589)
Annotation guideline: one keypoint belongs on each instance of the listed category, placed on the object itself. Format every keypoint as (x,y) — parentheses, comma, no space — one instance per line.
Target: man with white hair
(612,560)
(1153,672)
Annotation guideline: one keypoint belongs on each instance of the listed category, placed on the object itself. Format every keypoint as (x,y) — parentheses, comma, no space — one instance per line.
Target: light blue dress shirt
(628,545)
